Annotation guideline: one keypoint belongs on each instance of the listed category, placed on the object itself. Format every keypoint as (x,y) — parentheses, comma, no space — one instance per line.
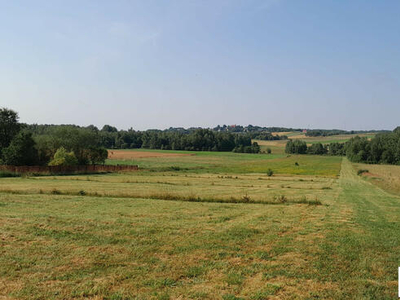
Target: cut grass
(178,185)
(58,246)
(282,199)
(65,237)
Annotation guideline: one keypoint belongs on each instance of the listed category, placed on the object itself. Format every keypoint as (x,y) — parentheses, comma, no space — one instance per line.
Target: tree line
(301,147)
(383,148)
(23,144)
(64,145)
(330,132)
(193,140)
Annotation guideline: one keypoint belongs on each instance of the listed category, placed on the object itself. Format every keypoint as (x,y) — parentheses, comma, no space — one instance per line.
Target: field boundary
(81,169)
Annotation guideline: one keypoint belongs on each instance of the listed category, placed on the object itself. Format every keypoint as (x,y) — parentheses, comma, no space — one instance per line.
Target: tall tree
(9,126)
(21,151)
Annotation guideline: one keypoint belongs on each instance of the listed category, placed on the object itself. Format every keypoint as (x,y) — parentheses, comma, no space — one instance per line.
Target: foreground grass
(361,248)
(114,246)
(74,247)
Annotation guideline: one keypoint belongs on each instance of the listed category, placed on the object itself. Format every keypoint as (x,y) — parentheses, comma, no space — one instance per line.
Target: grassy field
(386,177)
(222,162)
(312,231)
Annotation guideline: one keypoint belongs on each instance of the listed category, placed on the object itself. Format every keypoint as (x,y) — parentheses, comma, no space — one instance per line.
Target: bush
(270,172)
(269,151)
(362,171)
(63,158)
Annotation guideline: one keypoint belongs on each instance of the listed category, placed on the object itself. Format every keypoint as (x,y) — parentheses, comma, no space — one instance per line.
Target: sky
(189,63)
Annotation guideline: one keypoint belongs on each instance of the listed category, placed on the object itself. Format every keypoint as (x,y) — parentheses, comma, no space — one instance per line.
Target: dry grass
(92,237)
(386,177)
(181,186)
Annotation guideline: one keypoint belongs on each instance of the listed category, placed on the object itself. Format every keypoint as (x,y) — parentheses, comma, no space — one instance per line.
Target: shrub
(270,172)
(269,151)
(63,158)
(362,171)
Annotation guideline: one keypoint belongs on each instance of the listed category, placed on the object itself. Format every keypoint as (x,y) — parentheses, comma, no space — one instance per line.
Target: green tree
(75,139)
(21,151)
(9,126)
(63,158)
(317,148)
(97,155)
(296,147)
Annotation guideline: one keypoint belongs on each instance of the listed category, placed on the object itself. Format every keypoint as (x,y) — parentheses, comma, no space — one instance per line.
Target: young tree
(63,158)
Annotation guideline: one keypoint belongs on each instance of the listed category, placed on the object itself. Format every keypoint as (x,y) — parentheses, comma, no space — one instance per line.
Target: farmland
(202,226)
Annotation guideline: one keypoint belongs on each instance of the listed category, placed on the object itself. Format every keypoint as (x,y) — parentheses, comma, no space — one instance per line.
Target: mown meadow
(205,226)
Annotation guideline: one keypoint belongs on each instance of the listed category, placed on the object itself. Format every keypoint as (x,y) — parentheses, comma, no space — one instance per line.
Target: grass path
(361,251)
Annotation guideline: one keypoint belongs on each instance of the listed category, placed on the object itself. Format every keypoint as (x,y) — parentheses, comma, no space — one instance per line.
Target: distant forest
(23,144)
(192,139)
(329,132)
(383,148)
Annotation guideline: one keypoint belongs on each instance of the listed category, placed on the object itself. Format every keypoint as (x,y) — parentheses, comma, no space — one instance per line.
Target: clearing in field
(171,231)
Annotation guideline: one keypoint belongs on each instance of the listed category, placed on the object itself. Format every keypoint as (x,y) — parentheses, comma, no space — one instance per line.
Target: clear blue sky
(155,64)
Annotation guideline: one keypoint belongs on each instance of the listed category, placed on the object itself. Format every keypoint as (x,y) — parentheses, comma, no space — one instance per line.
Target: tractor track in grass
(361,250)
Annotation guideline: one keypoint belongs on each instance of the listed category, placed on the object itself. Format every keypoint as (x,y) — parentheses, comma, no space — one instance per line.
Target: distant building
(304,130)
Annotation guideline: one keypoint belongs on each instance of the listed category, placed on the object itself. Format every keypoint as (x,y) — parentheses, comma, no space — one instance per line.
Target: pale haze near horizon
(157,64)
